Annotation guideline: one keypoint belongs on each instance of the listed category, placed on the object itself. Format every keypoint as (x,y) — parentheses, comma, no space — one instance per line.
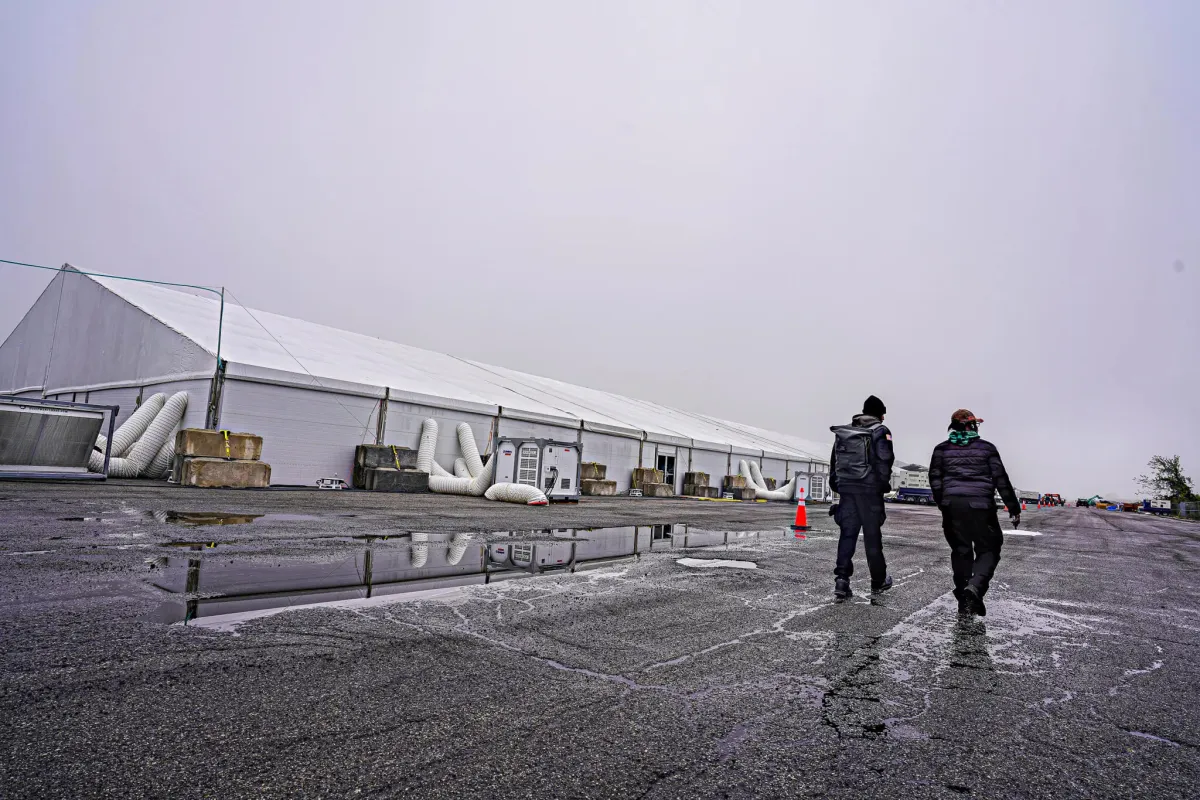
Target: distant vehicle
(1156,506)
(1053,500)
(1130,507)
(1028,497)
(922,497)
(1081,503)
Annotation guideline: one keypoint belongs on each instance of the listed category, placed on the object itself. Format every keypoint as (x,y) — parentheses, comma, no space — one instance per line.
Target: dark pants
(975,538)
(861,512)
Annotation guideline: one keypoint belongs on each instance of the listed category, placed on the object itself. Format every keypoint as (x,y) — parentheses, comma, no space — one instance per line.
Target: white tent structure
(314,392)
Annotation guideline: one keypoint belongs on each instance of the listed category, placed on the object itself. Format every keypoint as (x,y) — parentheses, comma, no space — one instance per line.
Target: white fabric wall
(537,430)
(126,398)
(715,464)
(197,392)
(618,453)
(102,338)
(774,468)
(307,433)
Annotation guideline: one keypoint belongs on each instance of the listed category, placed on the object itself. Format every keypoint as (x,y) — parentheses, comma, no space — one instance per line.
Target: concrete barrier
(222,473)
(201,443)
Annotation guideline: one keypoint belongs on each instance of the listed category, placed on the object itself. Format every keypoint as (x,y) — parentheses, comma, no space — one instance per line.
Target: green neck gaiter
(963,438)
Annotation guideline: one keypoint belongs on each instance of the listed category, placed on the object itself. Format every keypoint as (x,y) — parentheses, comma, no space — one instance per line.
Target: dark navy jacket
(970,474)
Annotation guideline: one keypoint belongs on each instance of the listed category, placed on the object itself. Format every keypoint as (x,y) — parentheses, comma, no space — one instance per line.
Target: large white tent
(315,392)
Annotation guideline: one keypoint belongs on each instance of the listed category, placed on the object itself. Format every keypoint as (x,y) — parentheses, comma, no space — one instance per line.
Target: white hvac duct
(441,481)
(458,548)
(476,487)
(420,549)
(753,476)
(759,483)
(517,493)
(466,443)
(460,468)
(148,446)
(128,433)
(429,432)
(161,465)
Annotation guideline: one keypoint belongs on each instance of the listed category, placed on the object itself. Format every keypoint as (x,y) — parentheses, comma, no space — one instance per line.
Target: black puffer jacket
(971,472)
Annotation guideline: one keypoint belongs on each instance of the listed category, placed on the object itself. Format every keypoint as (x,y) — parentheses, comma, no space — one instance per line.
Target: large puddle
(208,588)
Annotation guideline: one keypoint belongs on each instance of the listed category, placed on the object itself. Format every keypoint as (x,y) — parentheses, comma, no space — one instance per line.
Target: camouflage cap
(964,416)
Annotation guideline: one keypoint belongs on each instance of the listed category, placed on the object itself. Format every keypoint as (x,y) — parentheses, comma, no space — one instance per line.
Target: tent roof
(290,345)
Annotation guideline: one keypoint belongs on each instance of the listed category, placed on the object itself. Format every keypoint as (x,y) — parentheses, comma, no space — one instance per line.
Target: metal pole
(220,326)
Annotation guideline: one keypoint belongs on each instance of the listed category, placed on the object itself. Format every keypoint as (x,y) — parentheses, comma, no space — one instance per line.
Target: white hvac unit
(551,466)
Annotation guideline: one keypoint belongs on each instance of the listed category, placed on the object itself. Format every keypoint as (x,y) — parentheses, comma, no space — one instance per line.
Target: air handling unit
(551,466)
(51,439)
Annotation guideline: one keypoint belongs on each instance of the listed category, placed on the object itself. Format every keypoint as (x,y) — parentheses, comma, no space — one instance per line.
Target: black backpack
(852,447)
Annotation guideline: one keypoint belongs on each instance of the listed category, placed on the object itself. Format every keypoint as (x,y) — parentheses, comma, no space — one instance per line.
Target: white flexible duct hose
(445,484)
(128,433)
(439,470)
(517,493)
(460,469)
(744,471)
(759,483)
(160,465)
(420,549)
(429,432)
(96,457)
(466,443)
(148,446)
(458,548)
(753,476)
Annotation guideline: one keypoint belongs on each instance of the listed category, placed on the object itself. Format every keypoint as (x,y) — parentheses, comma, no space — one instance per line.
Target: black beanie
(874,407)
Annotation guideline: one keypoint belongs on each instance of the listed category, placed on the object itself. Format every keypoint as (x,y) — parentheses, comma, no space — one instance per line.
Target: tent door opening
(667,465)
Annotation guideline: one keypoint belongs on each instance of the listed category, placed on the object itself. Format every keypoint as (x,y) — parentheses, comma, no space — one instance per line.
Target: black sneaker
(883,587)
(841,589)
(973,602)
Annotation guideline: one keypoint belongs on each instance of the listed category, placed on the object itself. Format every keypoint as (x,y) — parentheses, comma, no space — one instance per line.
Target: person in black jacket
(862,485)
(965,473)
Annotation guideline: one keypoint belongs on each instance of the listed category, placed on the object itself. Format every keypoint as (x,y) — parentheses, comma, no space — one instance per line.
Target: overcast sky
(765,211)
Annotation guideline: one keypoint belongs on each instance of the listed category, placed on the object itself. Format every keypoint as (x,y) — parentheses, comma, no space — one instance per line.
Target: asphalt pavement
(444,646)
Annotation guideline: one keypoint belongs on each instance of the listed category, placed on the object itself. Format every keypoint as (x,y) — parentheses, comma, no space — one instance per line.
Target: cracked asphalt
(633,676)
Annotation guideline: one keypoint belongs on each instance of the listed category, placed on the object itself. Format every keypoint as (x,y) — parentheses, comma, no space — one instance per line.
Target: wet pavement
(169,642)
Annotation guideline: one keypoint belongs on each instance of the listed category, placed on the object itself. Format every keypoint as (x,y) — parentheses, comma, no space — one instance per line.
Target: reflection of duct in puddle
(458,547)
(206,590)
(420,549)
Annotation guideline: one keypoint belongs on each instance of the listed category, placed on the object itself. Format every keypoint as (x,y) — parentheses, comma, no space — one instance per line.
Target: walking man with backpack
(860,470)
(965,473)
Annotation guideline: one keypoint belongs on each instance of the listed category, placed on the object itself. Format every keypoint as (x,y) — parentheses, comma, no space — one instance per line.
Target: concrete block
(597,488)
(390,479)
(657,489)
(645,475)
(373,456)
(383,455)
(732,482)
(211,444)
(591,471)
(222,473)
(696,478)
(770,482)
(692,490)
(745,493)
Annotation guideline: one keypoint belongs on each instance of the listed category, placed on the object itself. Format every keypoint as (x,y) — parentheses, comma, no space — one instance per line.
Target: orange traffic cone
(801,523)
(1022,506)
